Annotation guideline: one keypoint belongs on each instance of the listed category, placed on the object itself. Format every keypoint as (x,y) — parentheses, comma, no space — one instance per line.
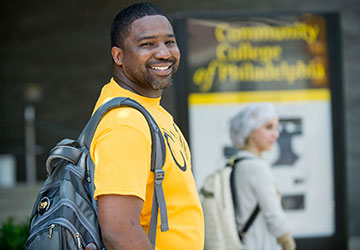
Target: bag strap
(66,149)
(65,152)
(157,156)
(255,212)
(250,221)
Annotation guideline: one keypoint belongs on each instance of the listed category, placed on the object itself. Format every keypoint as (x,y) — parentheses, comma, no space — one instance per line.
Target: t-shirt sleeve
(122,162)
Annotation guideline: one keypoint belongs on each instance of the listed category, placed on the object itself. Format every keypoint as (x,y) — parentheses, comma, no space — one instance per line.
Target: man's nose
(163,52)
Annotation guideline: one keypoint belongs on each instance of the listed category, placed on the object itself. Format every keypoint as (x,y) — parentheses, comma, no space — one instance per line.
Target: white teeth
(160,68)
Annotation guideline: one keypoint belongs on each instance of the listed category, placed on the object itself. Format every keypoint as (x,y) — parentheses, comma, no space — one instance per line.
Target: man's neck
(125,86)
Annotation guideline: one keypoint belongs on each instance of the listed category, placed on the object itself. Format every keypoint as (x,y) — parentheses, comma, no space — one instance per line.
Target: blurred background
(55,57)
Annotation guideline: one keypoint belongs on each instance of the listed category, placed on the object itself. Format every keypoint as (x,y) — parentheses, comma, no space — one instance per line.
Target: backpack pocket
(54,235)
(65,213)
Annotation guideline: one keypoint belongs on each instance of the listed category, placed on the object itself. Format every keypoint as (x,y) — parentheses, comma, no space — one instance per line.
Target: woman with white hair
(255,130)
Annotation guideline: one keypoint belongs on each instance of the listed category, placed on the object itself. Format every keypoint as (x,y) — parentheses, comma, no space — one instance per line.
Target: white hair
(250,118)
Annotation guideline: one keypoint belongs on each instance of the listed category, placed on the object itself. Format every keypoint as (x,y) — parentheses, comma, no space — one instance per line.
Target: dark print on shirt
(177,147)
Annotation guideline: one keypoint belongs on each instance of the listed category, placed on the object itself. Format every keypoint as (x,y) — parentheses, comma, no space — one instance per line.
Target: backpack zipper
(65,223)
(51,227)
(61,222)
(87,173)
(77,235)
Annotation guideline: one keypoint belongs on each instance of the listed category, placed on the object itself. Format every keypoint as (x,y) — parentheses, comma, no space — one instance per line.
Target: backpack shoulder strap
(232,163)
(249,221)
(157,155)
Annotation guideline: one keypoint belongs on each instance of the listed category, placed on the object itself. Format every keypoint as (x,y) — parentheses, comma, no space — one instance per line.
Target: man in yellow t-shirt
(145,56)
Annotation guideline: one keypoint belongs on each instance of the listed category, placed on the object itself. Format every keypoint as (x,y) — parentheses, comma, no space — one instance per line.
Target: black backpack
(65,213)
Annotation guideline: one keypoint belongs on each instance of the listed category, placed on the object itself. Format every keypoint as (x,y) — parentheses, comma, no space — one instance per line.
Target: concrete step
(17,202)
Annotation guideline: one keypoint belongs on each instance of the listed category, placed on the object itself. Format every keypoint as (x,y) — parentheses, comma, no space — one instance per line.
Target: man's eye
(171,42)
(146,44)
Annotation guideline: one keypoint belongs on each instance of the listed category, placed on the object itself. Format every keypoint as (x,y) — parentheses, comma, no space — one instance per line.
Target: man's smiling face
(150,54)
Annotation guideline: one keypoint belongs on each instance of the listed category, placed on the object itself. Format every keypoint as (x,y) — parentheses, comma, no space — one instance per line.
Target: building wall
(63,47)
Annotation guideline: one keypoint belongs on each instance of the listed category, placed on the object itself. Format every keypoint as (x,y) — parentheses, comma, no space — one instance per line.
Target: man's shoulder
(124,117)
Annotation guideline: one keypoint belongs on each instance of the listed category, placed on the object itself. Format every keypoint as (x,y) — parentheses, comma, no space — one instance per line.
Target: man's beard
(156,83)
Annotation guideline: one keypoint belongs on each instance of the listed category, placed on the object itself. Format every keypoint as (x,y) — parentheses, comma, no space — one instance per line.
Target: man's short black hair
(121,25)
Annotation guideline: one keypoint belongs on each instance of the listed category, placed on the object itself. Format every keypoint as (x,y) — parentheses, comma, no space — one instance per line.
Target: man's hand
(119,222)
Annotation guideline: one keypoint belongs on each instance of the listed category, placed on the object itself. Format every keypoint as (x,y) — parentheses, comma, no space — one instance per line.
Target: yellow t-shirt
(121,151)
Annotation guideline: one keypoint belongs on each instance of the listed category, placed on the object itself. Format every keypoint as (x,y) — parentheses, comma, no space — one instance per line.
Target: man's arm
(120,224)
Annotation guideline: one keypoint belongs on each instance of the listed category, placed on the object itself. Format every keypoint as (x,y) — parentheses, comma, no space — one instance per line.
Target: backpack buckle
(159,176)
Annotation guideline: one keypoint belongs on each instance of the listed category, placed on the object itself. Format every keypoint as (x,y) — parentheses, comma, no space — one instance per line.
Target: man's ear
(117,55)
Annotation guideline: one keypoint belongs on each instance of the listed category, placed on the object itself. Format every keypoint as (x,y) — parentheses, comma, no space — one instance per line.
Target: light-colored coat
(255,184)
